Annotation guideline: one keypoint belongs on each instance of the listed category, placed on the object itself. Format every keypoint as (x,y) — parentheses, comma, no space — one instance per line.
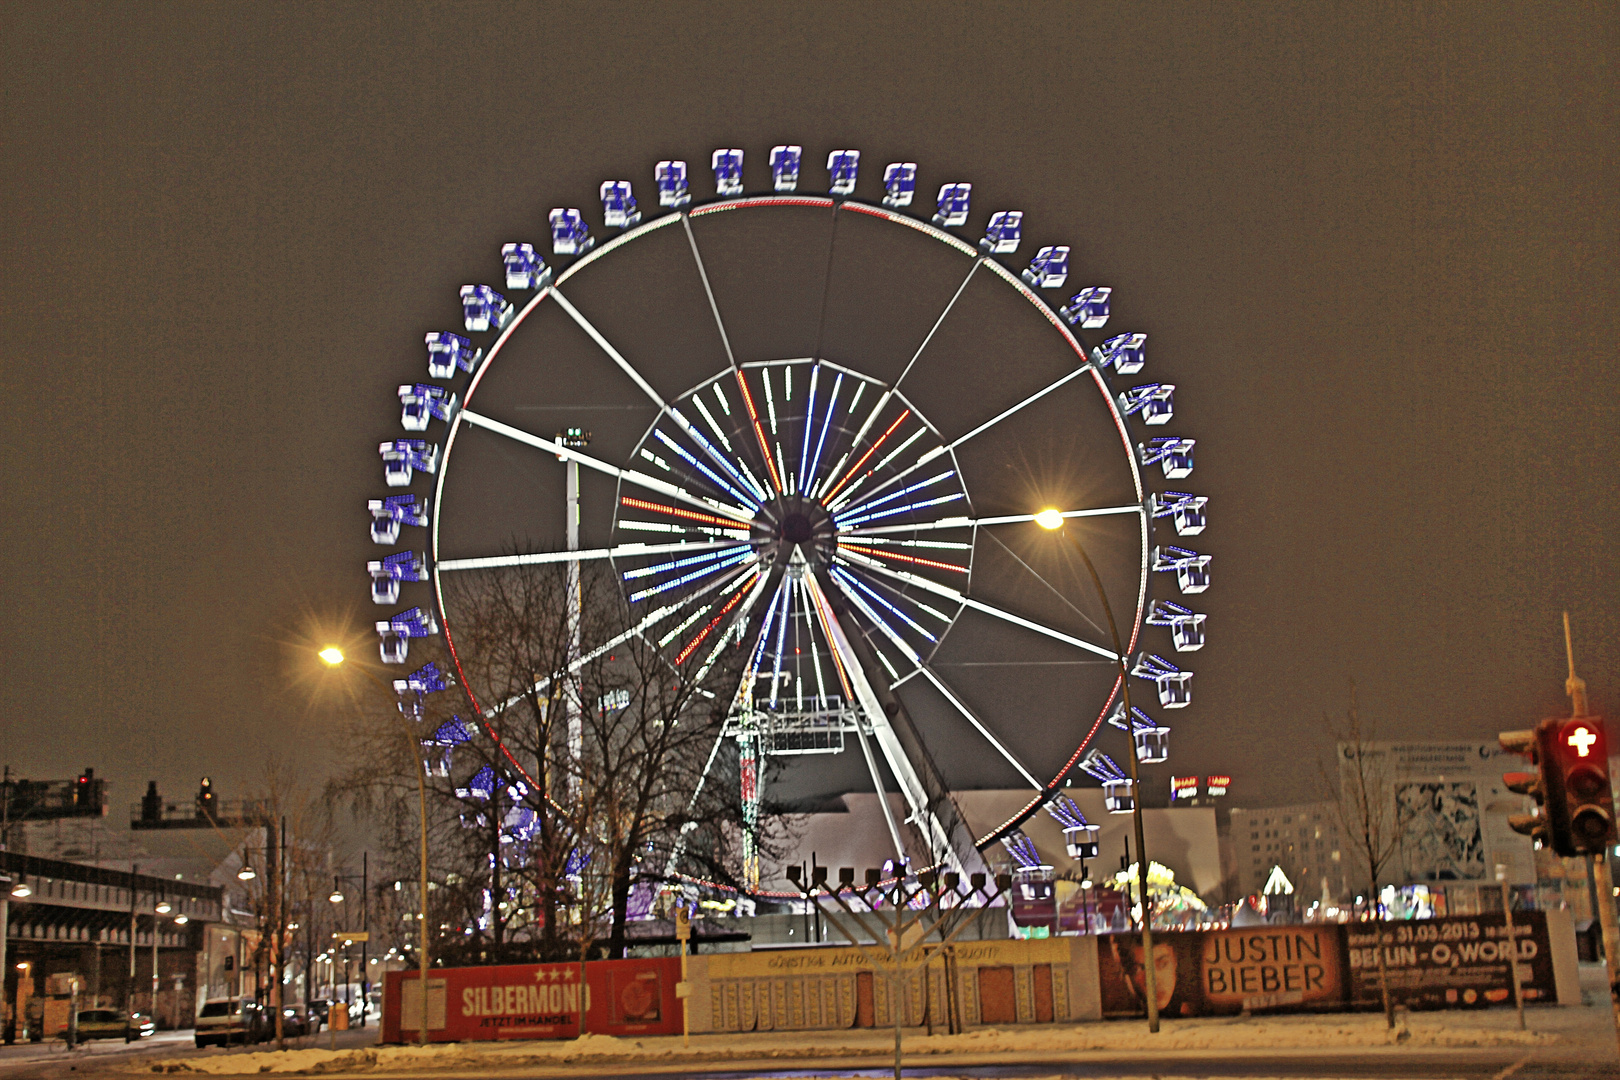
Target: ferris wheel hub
(796,528)
(794,522)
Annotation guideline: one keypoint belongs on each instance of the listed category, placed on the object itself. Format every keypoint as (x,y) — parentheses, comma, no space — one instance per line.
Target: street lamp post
(332,657)
(1053,521)
(365,927)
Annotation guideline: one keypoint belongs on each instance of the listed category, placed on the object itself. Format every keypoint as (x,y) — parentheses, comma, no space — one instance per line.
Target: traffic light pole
(1598,859)
(1599,867)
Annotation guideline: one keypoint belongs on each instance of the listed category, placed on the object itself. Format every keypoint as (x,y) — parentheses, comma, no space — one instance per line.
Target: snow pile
(1340,1031)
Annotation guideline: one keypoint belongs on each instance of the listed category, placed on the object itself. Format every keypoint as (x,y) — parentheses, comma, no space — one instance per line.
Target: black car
(295,1021)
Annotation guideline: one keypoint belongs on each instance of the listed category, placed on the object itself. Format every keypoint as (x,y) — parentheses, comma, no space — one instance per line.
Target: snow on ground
(1337,1031)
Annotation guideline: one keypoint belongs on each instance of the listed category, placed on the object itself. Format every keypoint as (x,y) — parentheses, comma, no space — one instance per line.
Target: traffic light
(1581,753)
(1549,825)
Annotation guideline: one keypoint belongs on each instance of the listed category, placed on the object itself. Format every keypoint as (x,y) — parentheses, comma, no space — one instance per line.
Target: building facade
(1304,840)
(120,934)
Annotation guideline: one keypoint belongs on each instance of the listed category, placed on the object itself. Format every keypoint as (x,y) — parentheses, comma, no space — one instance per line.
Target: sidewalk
(1584,1033)
(101,1056)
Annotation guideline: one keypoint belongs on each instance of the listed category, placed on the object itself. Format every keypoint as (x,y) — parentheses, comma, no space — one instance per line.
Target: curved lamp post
(1053,521)
(332,656)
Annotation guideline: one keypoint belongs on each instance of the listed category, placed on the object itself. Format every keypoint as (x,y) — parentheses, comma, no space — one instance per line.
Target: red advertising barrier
(534,1001)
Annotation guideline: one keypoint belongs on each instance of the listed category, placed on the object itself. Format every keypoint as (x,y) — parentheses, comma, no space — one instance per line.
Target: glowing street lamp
(331,656)
(1052,520)
(246,873)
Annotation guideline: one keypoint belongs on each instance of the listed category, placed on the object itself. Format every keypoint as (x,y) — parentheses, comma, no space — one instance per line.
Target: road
(1497,1064)
(116,1060)
(1577,1044)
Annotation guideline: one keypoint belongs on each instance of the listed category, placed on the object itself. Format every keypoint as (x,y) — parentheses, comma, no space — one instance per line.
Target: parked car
(227,1021)
(323,1008)
(295,1021)
(112,1024)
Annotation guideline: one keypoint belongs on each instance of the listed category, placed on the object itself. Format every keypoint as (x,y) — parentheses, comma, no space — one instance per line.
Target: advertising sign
(1451,807)
(1203,973)
(536,1001)
(1451,963)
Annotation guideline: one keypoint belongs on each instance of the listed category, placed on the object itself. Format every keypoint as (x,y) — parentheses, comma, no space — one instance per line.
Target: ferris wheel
(818,429)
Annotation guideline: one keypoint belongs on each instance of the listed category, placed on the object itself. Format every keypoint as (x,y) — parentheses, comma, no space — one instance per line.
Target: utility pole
(133,896)
(272,881)
(1513,944)
(577,439)
(5,925)
(365,942)
(1051,520)
(154,960)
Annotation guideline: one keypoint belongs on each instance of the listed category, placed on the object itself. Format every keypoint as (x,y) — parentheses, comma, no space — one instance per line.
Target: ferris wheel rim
(1042,792)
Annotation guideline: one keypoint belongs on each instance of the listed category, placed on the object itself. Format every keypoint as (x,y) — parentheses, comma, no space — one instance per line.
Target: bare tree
(591,764)
(1363,799)
(294,833)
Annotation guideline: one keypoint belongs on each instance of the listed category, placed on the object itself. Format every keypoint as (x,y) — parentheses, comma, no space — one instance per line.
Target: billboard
(1203,973)
(1447,963)
(535,1001)
(1452,808)
(1451,963)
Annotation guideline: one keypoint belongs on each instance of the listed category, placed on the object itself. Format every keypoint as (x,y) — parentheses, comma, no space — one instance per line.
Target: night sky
(1372,244)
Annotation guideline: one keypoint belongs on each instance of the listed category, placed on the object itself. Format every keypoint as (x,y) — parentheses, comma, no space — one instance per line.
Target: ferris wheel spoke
(496,562)
(750,593)
(853,677)
(977,605)
(1004,414)
(736,515)
(866,594)
(647,622)
(719,323)
(951,446)
(960,289)
(868,509)
(969,523)
(979,725)
(1040,577)
(675,414)
(691,803)
(606,346)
